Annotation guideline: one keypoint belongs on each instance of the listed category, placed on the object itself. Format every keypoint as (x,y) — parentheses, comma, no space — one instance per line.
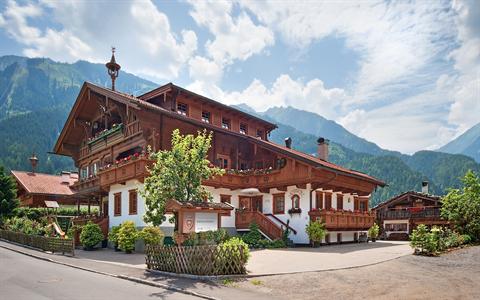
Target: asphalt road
(24,277)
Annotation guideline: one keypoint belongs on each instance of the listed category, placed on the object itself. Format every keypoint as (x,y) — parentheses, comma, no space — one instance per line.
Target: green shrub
(127,235)
(253,237)
(467,239)
(316,231)
(238,251)
(435,240)
(373,231)
(152,235)
(91,235)
(113,235)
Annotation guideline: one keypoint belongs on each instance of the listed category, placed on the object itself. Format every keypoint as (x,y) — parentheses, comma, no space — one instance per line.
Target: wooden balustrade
(133,169)
(133,128)
(343,220)
(236,181)
(243,219)
(87,185)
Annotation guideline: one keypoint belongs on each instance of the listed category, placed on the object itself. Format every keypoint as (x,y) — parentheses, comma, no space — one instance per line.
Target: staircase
(269,228)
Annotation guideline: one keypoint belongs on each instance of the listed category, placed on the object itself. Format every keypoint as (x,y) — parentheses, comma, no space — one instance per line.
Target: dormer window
(206,116)
(225,123)
(260,134)
(243,128)
(182,108)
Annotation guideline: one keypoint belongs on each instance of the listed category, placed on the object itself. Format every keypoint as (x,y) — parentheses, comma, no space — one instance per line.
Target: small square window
(260,134)
(225,198)
(225,123)
(182,108)
(206,116)
(243,128)
(279,204)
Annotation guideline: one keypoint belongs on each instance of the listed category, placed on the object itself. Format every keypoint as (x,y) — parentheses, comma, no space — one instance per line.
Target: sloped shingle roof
(40,183)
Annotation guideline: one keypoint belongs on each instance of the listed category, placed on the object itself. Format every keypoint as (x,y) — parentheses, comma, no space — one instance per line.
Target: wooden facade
(108,133)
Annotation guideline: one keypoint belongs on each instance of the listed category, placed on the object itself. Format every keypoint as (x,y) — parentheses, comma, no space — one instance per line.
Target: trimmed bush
(152,235)
(373,231)
(253,237)
(127,235)
(113,235)
(316,231)
(91,235)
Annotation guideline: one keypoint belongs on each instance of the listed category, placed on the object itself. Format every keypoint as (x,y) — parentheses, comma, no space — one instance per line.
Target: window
(223,161)
(117,204)
(84,172)
(259,165)
(363,205)
(182,108)
(295,201)
(95,169)
(328,201)
(226,199)
(132,202)
(339,201)
(260,134)
(319,200)
(225,123)
(279,203)
(206,116)
(243,128)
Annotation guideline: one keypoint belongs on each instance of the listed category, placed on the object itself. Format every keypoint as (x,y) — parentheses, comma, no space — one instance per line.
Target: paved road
(23,277)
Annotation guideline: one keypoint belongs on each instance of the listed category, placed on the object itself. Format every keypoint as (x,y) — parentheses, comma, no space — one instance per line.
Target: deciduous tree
(178,174)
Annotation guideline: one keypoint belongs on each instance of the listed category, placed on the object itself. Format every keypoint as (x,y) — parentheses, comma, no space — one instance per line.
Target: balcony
(241,179)
(103,139)
(87,185)
(133,168)
(410,213)
(344,220)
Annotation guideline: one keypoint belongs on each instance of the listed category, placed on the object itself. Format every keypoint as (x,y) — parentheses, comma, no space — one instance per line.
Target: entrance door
(105,208)
(257,203)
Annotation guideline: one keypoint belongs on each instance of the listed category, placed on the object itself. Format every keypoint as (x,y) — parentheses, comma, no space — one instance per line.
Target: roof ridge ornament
(33,161)
(113,68)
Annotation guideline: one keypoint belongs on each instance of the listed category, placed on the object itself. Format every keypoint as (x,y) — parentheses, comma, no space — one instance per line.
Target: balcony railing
(241,179)
(135,168)
(410,213)
(344,220)
(87,184)
(104,139)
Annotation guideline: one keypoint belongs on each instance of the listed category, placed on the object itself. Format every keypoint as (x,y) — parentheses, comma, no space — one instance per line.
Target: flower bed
(210,260)
(44,243)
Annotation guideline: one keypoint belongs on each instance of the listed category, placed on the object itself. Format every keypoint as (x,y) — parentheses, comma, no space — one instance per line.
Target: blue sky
(405,75)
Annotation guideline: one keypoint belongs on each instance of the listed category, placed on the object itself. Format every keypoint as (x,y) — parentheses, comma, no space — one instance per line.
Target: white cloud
(145,42)
(205,70)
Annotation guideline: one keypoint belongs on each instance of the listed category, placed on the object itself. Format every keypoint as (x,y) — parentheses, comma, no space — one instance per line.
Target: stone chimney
(322,150)
(424,187)
(65,177)
(288,142)
(34,162)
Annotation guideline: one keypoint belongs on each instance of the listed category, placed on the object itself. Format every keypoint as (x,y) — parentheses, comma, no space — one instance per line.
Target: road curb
(124,277)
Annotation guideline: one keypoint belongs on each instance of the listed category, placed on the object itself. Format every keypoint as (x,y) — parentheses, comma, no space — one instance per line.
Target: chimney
(322,150)
(33,161)
(65,177)
(288,142)
(424,187)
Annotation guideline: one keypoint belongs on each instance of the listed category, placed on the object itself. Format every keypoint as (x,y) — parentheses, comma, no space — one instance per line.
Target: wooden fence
(36,241)
(197,260)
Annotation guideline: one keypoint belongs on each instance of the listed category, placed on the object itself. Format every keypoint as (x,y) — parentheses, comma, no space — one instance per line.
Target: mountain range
(468,143)
(36,96)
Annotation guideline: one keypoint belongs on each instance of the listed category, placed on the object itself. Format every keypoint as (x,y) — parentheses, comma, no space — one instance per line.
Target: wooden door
(257,203)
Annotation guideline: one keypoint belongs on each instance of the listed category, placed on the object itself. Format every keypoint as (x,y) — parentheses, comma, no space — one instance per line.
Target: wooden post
(78,207)
(89,205)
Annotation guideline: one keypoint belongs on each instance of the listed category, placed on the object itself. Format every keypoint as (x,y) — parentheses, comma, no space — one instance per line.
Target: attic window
(243,128)
(206,116)
(182,108)
(225,123)
(260,134)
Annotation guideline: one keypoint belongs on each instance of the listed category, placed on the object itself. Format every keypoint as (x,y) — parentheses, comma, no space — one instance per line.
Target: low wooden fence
(36,241)
(197,260)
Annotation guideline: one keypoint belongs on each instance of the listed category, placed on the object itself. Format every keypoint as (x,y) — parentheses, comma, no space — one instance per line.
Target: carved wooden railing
(243,219)
(281,222)
(343,220)
(133,128)
(132,169)
(410,212)
(87,184)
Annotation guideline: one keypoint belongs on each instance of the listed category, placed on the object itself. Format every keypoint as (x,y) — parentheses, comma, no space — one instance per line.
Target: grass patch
(228,281)
(256,282)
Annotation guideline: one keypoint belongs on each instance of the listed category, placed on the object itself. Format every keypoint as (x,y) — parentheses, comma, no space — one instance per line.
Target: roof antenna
(113,68)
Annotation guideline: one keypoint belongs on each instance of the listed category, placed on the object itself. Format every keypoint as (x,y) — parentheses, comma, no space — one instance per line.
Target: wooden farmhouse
(399,215)
(107,134)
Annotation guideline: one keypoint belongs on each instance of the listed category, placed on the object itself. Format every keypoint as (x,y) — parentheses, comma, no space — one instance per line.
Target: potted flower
(316,232)
(373,232)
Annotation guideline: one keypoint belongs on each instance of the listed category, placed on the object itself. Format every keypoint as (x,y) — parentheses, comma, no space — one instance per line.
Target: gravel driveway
(455,275)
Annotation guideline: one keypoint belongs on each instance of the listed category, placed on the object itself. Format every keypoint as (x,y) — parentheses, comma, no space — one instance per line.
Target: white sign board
(206,221)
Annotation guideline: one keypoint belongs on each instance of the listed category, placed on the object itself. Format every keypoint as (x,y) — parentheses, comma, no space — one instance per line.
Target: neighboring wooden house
(401,214)
(36,188)
(108,132)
